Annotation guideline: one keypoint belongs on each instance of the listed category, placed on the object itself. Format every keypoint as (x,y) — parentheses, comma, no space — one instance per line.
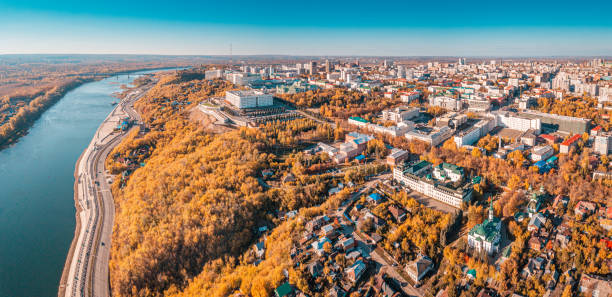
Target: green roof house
(284,290)
(446,170)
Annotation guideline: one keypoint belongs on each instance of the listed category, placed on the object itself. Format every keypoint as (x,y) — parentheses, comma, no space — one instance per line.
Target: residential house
(260,249)
(385,287)
(536,243)
(318,246)
(534,266)
(598,286)
(398,213)
(375,198)
(355,272)
(537,222)
(348,244)
(329,231)
(315,268)
(585,208)
(418,268)
(336,291)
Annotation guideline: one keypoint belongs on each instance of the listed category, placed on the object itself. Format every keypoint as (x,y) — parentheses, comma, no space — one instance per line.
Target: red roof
(571,140)
(607,242)
(548,137)
(596,128)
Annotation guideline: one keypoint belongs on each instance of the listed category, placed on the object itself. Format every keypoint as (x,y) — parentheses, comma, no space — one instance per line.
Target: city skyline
(356,29)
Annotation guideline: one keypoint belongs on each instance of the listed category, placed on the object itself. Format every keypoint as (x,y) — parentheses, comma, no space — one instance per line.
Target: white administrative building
(439,183)
(249,99)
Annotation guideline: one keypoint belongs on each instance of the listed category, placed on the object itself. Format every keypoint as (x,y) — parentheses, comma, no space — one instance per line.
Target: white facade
(434,138)
(468,137)
(446,102)
(603,144)
(249,99)
(409,97)
(241,78)
(508,120)
(212,74)
(486,236)
(479,105)
(400,114)
(541,153)
(431,189)
(605,94)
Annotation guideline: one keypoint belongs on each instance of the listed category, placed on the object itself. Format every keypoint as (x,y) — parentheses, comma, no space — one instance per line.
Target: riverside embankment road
(87,274)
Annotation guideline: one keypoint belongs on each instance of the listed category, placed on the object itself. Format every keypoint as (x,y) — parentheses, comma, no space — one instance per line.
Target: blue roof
(359,119)
(375,196)
(360,157)
(472,272)
(540,163)
(552,159)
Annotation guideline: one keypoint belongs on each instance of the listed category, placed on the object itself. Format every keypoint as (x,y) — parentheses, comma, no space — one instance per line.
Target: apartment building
(603,144)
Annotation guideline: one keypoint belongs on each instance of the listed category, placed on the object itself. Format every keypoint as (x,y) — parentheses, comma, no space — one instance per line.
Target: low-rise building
(515,121)
(397,156)
(355,272)
(249,99)
(407,97)
(418,177)
(540,153)
(418,268)
(446,102)
(569,143)
(597,286)
(536,223)
(434,137)
(448,171)
(400,114)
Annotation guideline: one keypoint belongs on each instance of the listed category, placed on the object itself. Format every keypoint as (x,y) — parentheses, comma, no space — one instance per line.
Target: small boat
(113,103)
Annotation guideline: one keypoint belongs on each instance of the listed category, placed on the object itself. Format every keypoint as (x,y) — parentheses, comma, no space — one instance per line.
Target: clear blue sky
(402,28)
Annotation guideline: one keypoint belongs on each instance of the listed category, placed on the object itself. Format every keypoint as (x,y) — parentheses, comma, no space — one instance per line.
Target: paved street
(88,273)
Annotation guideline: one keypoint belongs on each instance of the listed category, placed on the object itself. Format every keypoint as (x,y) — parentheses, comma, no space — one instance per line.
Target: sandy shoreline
(65,271)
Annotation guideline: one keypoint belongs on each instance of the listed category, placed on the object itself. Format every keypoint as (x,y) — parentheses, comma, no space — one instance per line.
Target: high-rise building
(312,67)
(603,144)
(461,61)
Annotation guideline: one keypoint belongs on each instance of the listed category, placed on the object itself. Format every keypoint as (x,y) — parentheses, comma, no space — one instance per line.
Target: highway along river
(37,213)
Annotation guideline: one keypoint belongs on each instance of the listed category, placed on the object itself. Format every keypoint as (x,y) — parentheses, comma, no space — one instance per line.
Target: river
(37,213)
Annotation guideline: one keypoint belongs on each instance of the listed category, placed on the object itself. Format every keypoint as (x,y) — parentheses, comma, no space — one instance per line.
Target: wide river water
(37,213)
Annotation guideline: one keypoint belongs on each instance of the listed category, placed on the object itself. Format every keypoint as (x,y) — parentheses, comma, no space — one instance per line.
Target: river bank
(86,266)
(37,177)
(19,125)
